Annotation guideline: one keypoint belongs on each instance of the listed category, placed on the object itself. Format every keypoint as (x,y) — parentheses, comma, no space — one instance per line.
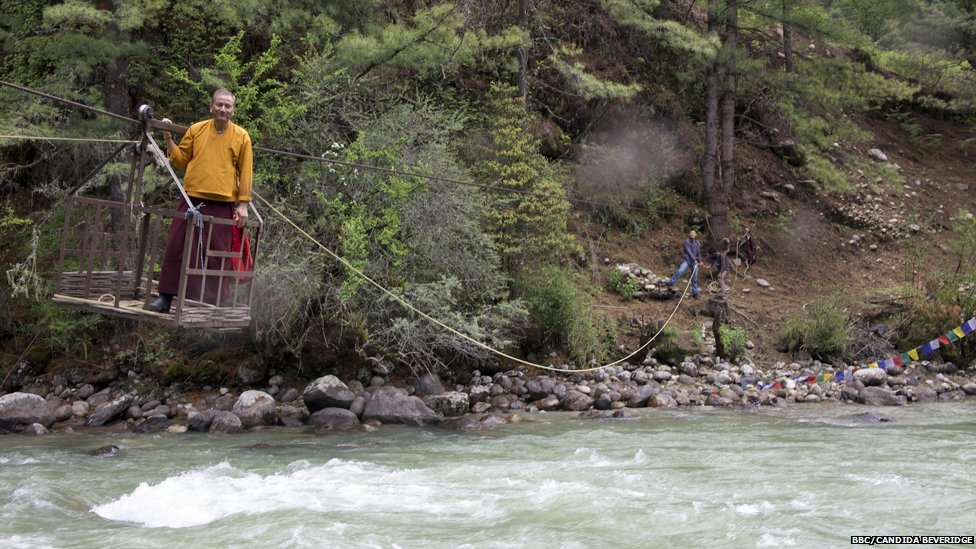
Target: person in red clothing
(218,160)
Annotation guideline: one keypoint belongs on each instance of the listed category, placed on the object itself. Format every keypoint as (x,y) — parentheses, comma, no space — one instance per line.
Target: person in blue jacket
(691,257)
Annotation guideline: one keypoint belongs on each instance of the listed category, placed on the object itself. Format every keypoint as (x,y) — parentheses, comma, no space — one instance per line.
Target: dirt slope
(805,248)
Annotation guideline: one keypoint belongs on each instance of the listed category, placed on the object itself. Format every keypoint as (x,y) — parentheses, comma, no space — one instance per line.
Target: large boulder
(575,401)
(255,408)
(334,419)
(19,410)
(879,396)
(452,404)
(871,377)
(200,421)
(107,411)
(327,392)
(540,387)
(225,423)
(390,405)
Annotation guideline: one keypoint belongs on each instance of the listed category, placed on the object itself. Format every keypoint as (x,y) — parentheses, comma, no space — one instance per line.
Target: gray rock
(482,407)
(153,424)
(200,421)
(134,412)
(452,404)
(290,395)
(110,410)
(388,405)
(602,403)
(34,429)
(879,396)
(429,384)
(479,393)
(924,393)
(762,282)
(685,379)
(225,423)
(276,380)
(104,451)
(79,408)
(225,403)
(575,401)
(358,405)
(811,398)
(878,155)
(327,392)
(641,396)
(63,413)
(548,404)
(688,368)
(255,408)
(871,377)
(969,388)
(19,410)
(85,391)
(662,375)
(540,387)
(716,400)
(662,400)
(334,419)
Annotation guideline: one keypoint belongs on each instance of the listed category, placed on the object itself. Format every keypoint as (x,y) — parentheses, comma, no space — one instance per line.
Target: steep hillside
(865,244)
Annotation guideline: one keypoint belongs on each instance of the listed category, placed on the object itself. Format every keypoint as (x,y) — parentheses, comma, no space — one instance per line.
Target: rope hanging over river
(349,265)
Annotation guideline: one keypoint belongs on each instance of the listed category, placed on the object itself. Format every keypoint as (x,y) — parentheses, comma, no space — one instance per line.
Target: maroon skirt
(216,237)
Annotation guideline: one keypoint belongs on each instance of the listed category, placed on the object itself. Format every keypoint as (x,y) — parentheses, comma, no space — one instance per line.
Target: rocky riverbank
(68,403)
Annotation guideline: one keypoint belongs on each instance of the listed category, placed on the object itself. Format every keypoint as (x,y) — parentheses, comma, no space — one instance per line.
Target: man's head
(692,234)
(222,106)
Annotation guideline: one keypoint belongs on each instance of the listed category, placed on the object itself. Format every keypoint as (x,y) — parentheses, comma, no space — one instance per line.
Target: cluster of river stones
(482,401)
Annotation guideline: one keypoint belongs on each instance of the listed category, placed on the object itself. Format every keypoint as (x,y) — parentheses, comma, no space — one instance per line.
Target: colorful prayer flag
(927,349)
(913,354)
(959,332)
(952,337)
(944,340)
(896,360)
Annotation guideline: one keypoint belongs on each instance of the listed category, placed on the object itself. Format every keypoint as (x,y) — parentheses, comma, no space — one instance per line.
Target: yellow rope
(463,336)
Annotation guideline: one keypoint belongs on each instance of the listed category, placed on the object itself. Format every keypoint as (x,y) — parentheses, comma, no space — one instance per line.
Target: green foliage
(822,330)
(733,340)
(587,85)
(684,39)
(563,314)
(666,345)
(621,283)
(424,346)
(529,211)
(263,103)
(433,42)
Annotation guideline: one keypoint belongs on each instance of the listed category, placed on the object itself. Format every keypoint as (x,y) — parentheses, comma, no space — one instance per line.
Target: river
(806,476)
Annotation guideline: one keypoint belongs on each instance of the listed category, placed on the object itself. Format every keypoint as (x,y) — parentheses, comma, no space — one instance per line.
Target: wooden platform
(193,315)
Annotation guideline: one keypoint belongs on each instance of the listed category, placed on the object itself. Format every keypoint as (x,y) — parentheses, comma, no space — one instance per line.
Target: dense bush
(822,331)
(733,340)
(621,283)
(562,314)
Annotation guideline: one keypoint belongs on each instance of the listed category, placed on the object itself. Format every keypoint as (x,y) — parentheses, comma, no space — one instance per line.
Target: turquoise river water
(809,476)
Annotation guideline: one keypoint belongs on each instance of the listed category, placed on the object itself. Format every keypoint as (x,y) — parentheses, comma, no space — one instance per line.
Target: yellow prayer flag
(873,365)
(958,331)
(913,354)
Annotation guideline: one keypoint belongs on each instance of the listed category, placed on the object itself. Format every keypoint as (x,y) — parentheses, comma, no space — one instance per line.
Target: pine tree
(529,211)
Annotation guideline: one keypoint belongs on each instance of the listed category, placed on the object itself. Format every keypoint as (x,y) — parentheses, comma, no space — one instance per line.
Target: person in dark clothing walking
(720,260)
(691,257)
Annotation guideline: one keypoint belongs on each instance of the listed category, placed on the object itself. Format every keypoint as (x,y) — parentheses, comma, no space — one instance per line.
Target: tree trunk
(718,199)
(523,53)
(710,158)
(788,37)
(718,308)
